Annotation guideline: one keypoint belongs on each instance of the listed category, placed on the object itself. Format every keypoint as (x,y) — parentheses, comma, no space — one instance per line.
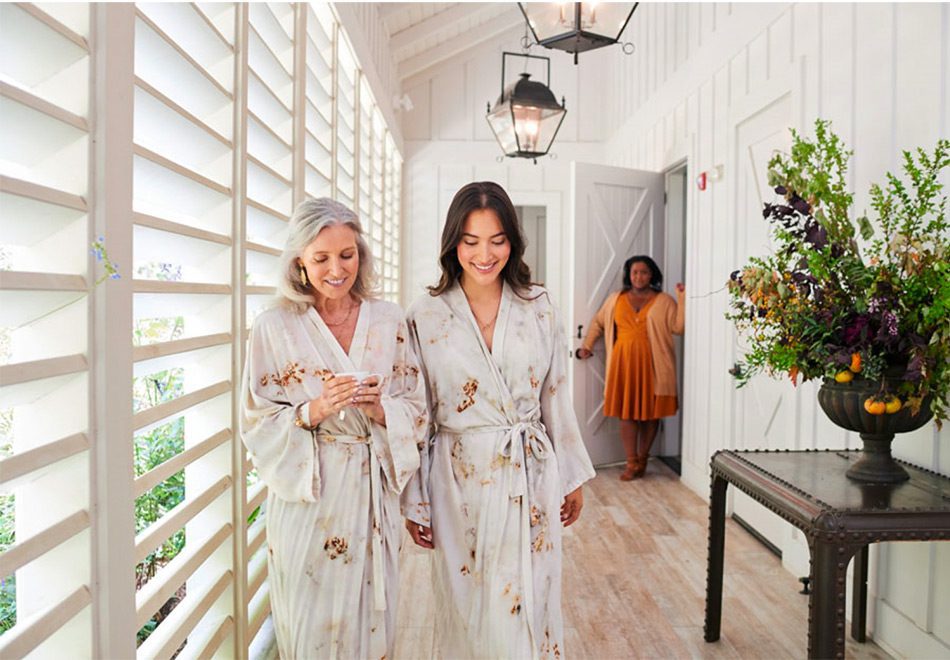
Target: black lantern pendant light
(577,26)
(527,116)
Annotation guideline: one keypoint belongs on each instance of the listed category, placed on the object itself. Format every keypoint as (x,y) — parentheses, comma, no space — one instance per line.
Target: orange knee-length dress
(629,392)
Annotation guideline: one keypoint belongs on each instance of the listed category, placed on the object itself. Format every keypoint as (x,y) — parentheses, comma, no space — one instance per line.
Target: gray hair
(310,218)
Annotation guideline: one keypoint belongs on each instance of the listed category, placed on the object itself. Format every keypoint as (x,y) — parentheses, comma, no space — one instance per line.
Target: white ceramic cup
(359,377)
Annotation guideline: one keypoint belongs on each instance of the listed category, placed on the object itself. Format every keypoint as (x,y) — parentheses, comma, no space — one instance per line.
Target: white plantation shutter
(346,123)
(319,101)
(184,214)
(212,121)
(46,272)
(392,196)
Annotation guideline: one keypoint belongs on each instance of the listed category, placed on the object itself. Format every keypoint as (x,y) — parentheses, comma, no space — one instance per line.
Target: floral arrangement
(845,298)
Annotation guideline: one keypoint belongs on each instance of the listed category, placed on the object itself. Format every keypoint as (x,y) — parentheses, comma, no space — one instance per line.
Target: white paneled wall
(879,72)
(717,84)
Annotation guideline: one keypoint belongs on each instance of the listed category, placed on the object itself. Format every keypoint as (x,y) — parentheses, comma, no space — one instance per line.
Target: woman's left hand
(571,508)
(367,399)
(680,288)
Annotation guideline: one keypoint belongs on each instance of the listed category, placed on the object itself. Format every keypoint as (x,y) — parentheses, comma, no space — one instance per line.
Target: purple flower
(889,323)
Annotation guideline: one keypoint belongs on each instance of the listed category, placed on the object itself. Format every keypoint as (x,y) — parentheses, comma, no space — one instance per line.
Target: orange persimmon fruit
(844,376)
(874,406)
(855,363)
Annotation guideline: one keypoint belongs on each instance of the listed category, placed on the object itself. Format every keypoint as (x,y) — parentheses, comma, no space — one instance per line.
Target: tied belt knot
(520,439)
(375,499)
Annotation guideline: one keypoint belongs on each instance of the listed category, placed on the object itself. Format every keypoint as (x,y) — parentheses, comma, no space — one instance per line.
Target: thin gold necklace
(337,324)
(484,326)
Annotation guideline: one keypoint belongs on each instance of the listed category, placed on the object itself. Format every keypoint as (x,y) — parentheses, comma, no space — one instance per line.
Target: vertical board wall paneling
(857,66)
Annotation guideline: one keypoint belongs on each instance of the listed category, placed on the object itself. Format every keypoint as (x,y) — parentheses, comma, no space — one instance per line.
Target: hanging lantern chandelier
(526,117)
(576,27)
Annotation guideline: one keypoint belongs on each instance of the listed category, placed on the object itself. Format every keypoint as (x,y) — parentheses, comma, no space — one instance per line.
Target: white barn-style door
(617,213)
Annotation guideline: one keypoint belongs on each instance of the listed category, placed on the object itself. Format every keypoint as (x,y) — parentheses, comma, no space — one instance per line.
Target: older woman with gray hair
(333,407)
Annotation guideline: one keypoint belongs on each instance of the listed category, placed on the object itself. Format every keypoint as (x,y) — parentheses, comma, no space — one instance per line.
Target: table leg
(829,568)
(859,596)
(717,539)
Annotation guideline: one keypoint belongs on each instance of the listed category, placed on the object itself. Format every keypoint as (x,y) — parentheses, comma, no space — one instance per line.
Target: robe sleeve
(283,453)
(415,497)
(557,413)
(407,418)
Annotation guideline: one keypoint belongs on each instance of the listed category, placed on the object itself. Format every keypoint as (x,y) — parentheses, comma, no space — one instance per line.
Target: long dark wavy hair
(472,197)
(656,275)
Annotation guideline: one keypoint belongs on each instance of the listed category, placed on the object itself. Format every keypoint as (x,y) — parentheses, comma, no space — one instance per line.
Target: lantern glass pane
(606,18)
(547,129)
(533,126)
(550,19)
(503,127)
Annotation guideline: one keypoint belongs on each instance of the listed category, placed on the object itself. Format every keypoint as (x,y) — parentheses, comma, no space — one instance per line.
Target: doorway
(674,270)
(533,221)
(617,213)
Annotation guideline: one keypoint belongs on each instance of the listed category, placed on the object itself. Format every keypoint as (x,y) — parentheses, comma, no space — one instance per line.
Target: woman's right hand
(421,534)
(338,393)
(582,353)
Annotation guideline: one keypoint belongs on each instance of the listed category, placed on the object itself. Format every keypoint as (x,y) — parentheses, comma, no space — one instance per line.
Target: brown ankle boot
(633,470)
(643,453)
(641,468)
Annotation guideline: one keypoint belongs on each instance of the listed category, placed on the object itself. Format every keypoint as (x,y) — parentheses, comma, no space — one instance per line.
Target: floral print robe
(333,523)
(503,451)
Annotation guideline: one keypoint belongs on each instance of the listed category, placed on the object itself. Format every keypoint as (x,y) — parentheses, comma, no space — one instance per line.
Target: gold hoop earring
(303,275)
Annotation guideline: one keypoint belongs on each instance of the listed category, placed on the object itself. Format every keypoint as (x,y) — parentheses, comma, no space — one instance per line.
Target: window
(236,113)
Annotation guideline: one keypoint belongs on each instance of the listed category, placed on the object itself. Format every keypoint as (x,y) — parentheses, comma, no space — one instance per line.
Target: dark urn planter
(844,405)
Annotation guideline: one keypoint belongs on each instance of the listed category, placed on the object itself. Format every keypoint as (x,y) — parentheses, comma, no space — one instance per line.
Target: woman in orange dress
(638,324)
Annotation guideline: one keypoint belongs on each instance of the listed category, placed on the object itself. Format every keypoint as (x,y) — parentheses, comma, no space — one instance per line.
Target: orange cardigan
(665,319)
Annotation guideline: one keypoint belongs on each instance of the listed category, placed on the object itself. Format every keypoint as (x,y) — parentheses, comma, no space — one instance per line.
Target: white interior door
(617,213)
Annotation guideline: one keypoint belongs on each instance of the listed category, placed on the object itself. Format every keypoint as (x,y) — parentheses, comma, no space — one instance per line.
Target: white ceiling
(423,34)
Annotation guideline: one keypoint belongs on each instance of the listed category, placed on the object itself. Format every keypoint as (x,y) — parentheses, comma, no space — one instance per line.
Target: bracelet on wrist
(299,421)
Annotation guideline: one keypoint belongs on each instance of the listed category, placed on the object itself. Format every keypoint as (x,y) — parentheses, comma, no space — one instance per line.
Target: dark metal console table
(839,517)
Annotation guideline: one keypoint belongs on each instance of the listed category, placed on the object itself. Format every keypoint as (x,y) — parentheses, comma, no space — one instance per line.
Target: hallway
(648,602)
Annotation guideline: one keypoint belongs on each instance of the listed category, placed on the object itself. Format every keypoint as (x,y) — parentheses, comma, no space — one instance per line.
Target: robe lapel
(459,304)
(343,361)
(361,335)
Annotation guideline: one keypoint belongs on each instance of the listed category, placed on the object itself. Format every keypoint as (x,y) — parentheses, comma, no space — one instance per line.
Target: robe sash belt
(521,440)
(375,498)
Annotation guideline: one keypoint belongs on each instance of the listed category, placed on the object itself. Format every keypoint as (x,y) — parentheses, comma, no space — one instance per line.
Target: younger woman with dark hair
(638,323)
(502,470)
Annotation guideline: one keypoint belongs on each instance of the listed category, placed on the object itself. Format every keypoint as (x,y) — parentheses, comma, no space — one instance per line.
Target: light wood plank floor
(635,582)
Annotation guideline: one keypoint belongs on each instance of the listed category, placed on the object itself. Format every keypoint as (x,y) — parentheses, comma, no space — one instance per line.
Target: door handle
(580,334)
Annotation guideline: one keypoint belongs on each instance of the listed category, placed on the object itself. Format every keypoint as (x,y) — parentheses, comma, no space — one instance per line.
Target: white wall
(880,73)
(703,79)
